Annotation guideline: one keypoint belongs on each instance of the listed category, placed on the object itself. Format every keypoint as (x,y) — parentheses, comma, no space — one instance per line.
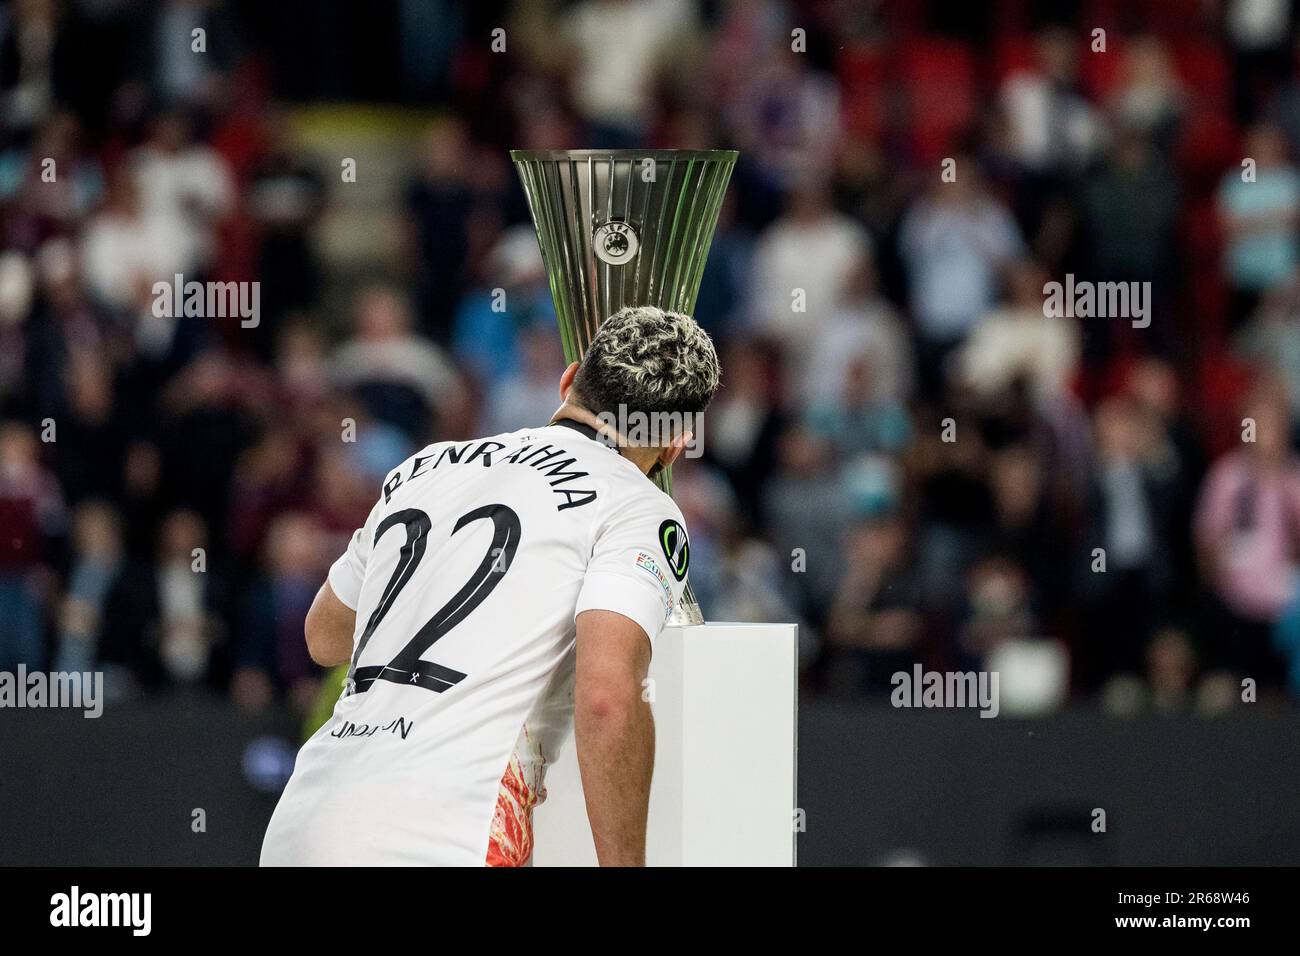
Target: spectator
(1271,339)
(867,328)
(88,457)
(402,378)
(34,59)
(266,483)
(1257,30)
(806,510)
(1260,216)
(744,423)
(1151,101)
(185,191)
(437,207)
(1028,529)
(784,114)
(1130,210)
(859,421)
(619,49)
(1246,523)
(31,512)
(954,242)
(875,625)
(517,401)
(50,186)
(286,197)
(1054,130)
(1130,586)
(1016,341)
(125,250)
(206,425)
(724,286)
(63,326)
(17,287)
(165,621)
(514,298)
(804,266)
(179,75)
(1171,668)
(272,652)
(998,610)
(97,557)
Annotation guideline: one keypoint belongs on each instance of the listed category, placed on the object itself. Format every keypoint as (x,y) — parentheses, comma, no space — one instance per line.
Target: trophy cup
(624,227)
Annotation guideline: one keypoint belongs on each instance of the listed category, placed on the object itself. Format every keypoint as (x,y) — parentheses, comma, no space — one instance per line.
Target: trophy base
(687,611)
(723,789)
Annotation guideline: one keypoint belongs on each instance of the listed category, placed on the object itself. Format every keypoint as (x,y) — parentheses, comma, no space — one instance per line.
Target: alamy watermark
(654,429)
(1098,300)
(209,300)
(946,689)
(75,908)
(72,689)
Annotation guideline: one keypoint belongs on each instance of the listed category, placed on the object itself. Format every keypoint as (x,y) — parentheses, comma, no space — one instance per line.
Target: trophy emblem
(615,242)
(622,228)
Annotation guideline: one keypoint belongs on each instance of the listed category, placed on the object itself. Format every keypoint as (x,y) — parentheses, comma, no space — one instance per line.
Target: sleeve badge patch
(672,538)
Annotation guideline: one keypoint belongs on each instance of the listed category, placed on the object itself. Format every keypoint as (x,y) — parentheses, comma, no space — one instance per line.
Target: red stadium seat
(1101,74)
(1178,18)
(1208,146)
(937,77)
(1202,247)
(863,73)
(1205,70)
(1221,386)
(1014,54)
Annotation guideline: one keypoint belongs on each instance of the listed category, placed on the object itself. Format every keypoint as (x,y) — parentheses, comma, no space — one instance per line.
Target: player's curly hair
(648,360)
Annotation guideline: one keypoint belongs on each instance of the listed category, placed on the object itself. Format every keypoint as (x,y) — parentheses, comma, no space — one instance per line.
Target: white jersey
(466,580)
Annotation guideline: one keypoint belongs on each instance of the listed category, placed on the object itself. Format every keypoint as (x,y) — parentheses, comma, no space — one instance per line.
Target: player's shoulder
(646,520)
(634,498)
(651,496)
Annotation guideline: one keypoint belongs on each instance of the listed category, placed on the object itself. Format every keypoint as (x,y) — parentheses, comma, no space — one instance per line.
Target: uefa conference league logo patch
(672,538)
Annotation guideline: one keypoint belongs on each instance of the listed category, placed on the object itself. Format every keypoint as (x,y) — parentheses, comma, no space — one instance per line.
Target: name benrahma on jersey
(542,458)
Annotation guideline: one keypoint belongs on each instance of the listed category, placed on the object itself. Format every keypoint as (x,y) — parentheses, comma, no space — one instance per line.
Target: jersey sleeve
(349,571)
(638,564)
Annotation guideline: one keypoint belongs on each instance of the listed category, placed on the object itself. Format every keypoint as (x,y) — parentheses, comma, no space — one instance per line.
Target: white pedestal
(723,793)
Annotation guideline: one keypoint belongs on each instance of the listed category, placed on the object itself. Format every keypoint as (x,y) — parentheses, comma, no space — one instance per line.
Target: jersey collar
(582,428)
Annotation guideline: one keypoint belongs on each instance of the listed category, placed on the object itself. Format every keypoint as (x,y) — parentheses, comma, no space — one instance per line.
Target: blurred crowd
(908,457)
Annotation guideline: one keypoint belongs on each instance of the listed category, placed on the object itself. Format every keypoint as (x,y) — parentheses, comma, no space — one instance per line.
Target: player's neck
(643,458)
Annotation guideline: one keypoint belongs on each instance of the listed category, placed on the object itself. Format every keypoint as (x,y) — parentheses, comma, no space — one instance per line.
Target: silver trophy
(624,227)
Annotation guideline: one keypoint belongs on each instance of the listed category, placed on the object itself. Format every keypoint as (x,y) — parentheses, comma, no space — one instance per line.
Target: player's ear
(566,381)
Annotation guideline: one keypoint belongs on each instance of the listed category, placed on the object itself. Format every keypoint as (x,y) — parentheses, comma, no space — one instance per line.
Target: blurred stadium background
(924,300)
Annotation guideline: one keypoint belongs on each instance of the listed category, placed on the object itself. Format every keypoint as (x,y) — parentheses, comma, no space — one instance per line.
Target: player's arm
(332,619)
(614,733)
(328,628)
